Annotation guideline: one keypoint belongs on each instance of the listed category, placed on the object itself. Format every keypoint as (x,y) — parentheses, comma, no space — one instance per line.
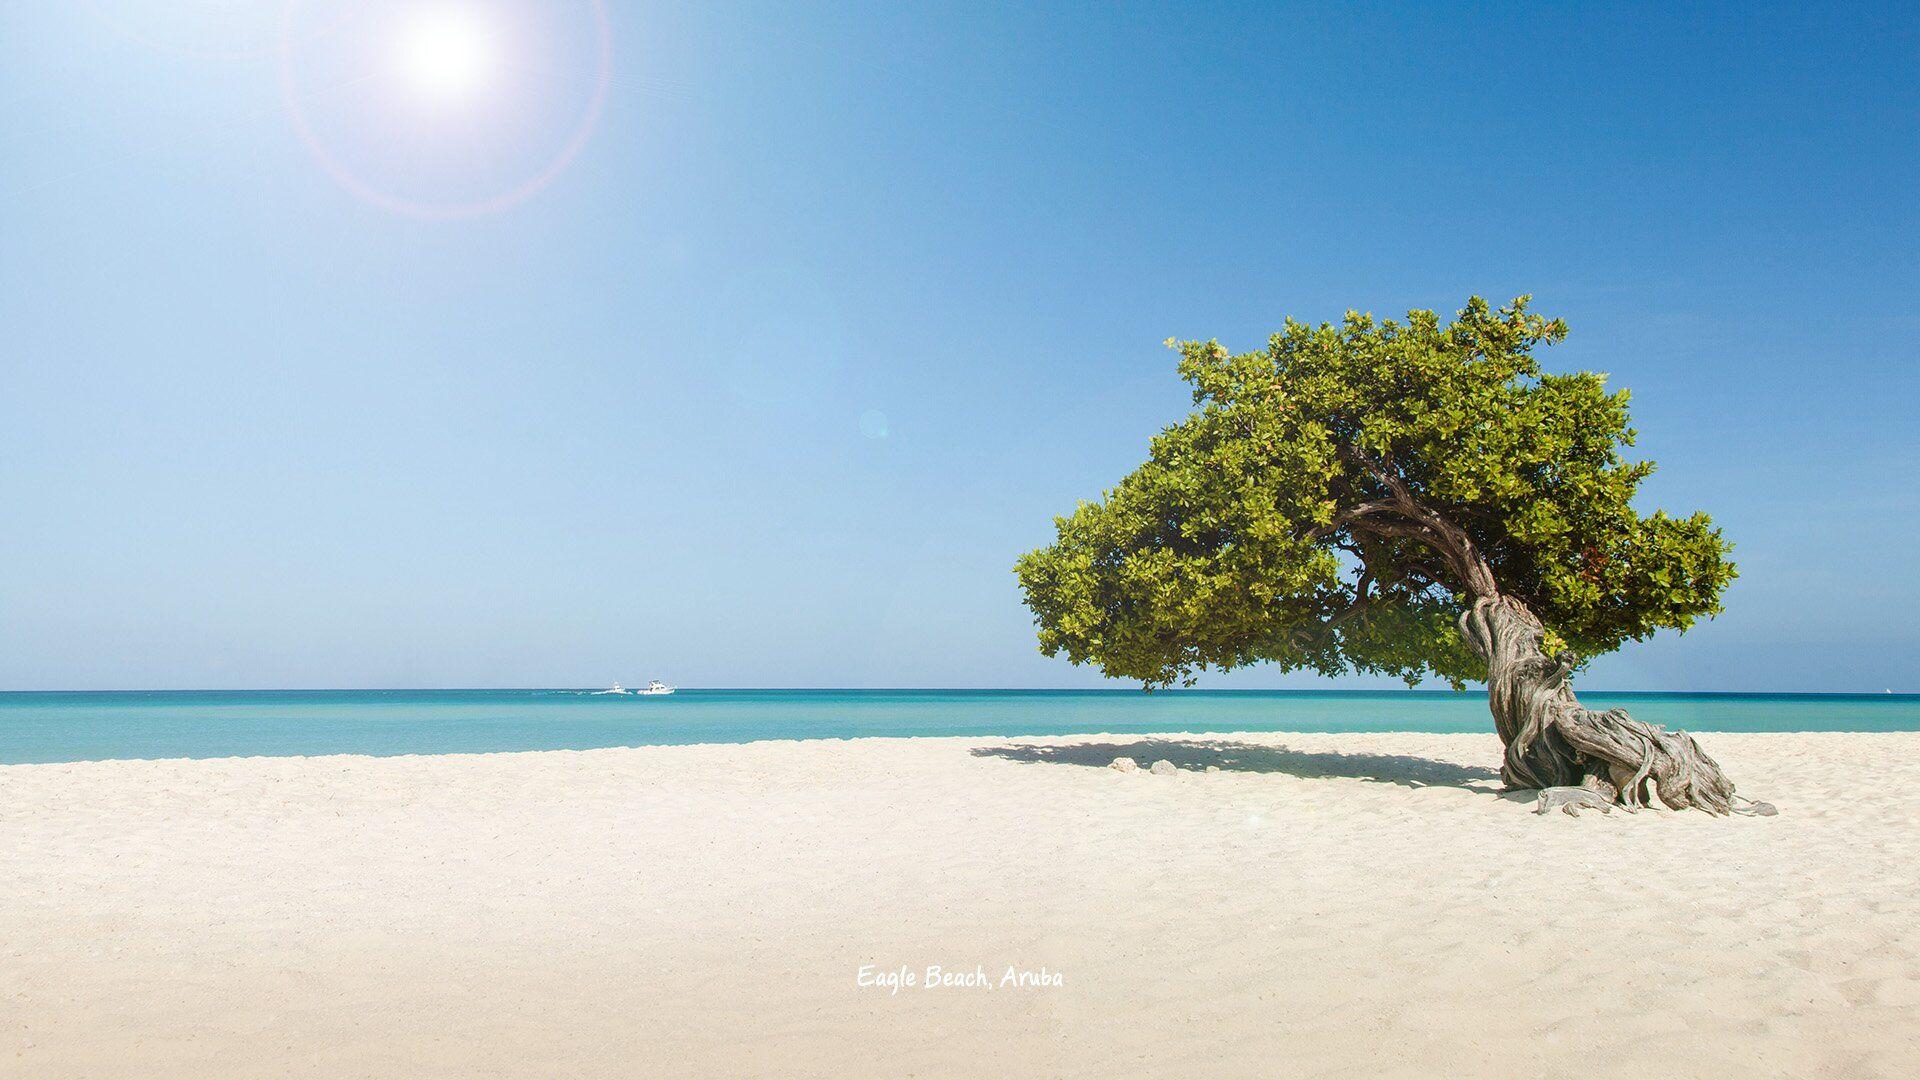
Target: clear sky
(760,367)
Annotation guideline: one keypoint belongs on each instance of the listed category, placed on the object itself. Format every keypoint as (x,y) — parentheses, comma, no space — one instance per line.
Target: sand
(1327,905)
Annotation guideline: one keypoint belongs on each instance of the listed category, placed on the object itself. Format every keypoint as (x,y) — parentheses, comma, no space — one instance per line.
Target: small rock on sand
(1124,764)
(1213,768)
(1163,767)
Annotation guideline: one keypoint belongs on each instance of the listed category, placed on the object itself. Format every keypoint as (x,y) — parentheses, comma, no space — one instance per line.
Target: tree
(1406,498)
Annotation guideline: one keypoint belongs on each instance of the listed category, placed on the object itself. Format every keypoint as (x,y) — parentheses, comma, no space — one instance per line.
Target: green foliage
(1254,531)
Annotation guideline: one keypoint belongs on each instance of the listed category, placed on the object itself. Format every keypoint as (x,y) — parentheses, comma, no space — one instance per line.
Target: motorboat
(616,688)
(655,689)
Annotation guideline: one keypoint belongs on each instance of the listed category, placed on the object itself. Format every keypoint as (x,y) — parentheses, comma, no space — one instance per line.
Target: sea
(39,727)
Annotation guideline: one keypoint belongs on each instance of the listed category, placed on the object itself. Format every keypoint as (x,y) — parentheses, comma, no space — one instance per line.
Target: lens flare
(445,108)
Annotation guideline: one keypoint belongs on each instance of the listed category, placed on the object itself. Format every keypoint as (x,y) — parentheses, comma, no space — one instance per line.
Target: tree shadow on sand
(1229,756)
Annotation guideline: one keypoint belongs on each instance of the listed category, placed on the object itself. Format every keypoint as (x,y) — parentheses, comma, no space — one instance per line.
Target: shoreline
(145,726)
(839,740)
(1470,691)
(1326,904)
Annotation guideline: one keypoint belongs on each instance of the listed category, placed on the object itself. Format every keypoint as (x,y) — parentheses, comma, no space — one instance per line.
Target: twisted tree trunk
(1552,742)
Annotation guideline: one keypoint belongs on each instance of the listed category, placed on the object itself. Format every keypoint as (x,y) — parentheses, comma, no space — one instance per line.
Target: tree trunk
(1552,742)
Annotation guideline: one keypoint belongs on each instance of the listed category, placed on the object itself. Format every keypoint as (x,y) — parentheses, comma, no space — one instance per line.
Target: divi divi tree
(1411,498)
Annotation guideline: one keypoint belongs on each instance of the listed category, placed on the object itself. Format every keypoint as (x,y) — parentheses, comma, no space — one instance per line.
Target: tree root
(1570,800)
(1552,742)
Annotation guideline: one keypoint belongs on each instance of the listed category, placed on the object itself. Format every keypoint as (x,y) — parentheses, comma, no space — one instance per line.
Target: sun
(444,108)
(445,53)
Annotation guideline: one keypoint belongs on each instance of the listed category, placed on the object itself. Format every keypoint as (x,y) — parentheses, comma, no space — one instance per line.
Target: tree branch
(1403,515)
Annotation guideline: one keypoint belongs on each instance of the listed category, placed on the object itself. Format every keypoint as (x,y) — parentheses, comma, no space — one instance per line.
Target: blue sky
(837,305)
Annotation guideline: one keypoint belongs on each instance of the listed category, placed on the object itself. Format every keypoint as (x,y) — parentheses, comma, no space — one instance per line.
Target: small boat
(654,689)
(616,688)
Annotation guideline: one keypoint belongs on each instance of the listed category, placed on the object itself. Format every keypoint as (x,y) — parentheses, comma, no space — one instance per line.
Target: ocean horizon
(47,726)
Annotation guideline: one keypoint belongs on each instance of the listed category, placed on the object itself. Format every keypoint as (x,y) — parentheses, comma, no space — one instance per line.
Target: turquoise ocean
(50,727)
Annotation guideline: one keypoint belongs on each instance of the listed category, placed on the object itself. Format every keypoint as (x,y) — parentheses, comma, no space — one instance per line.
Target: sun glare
(446,53)
(444,108)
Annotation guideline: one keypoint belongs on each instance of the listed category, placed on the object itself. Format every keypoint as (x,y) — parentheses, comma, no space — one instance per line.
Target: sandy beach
(1325,905)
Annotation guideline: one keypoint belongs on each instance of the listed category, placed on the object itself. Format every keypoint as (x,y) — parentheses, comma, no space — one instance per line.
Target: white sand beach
(1326,905)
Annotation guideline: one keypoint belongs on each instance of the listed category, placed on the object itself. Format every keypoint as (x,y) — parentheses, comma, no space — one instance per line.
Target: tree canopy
(1340,496)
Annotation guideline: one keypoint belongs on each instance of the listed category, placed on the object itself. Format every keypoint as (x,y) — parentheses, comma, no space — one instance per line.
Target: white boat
(655,688)
(616,688)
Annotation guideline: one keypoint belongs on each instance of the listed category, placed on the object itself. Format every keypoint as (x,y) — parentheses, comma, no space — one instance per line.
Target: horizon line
(1470,691)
